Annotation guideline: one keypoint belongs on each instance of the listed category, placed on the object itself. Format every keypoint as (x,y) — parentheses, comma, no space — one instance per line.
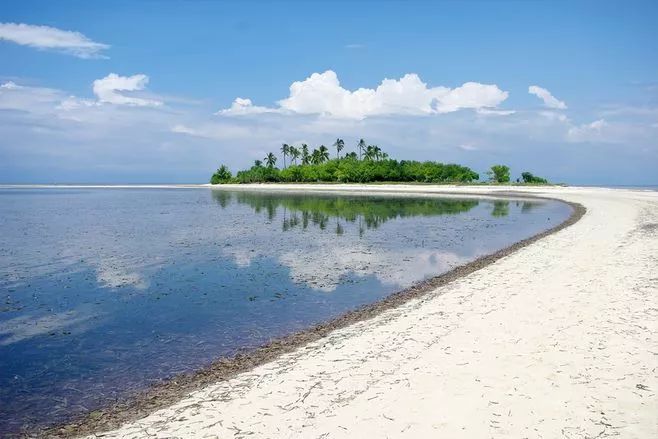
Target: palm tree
(361,146)
(305,155)
(351,155)
(294,153)
(285,149)
(324,153)
(377,151)
(270,160)
(339,144)
(316,158)
(369,153)
(258,163)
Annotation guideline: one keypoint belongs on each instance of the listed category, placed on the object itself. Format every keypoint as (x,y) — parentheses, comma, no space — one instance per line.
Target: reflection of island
(300,210)
(500,208)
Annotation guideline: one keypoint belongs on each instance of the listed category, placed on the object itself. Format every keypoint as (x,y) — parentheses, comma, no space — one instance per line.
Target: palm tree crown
(270,160)
(339,144)
(361,146)
(324,153)
(293,151)
(285,149)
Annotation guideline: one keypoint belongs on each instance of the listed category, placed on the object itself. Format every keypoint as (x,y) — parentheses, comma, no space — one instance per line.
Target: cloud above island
(322,94)
(51,38)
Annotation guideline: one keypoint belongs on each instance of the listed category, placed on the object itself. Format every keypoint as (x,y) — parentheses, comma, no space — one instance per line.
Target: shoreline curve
(174,389)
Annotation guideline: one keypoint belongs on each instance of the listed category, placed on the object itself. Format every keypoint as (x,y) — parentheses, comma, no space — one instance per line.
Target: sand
(558,339)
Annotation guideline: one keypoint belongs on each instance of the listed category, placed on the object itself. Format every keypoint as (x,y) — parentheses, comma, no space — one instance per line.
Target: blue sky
(177,65)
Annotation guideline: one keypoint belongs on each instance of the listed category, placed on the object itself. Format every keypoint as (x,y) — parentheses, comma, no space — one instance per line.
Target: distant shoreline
(511,186)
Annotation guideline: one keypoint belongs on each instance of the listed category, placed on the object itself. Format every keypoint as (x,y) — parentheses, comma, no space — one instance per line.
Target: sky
(166,91)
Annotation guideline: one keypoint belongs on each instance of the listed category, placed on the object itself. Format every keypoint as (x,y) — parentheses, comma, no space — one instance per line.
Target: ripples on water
(106,291)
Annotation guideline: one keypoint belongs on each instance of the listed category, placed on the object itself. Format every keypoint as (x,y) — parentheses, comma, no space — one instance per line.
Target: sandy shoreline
(558,338)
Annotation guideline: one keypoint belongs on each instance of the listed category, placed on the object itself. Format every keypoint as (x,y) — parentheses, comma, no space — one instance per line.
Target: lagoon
(107,291)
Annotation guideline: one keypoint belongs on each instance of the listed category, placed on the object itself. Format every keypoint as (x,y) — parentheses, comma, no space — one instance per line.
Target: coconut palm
(270,160)
(361,146)
(285,149)
(258,163)
(305,155)
(324,153)
(369,153)
(316,157)
(339,144)
(293,151)
(377,151)
(351,155)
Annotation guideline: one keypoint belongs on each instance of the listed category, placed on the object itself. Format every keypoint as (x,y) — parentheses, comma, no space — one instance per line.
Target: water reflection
(500,208)
(318,210)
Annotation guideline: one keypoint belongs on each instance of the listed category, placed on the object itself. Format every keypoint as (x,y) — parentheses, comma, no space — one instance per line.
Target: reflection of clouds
(25,327)
(324,267)
(115,273)
(242,256)
(322,260)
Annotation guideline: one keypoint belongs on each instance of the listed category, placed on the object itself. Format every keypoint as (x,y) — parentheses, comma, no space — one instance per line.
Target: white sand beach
(558,339)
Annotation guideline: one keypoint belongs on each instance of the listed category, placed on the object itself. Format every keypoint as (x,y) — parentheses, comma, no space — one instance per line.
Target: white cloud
(28,99)
(550,101)
(74,103)
(241,107)
(321,93)
(554,115)
(107,90)
(50,38)
(11,85)
(494,112)
(39,100)
(588,132)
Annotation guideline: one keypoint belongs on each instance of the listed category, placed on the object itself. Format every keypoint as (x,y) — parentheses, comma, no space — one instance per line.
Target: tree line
(365,165)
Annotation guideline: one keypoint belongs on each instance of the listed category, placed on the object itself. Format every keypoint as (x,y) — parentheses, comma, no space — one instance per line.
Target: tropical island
(365,165)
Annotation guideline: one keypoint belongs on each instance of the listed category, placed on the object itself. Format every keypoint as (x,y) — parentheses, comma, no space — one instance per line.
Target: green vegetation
(499,174)
(528,178)
(367,164)
(221,175)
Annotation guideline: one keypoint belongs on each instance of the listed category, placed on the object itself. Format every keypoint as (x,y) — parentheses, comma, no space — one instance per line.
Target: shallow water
(106,291)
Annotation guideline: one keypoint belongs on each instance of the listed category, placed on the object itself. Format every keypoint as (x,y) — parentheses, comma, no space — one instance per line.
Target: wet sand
(555,337)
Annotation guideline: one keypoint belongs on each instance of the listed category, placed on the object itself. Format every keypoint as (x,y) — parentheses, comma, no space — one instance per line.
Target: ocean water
(107,291)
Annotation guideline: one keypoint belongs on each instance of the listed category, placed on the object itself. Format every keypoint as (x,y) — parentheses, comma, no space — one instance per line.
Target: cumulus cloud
(107,90)
(550,101)
(321,93)
(50,38)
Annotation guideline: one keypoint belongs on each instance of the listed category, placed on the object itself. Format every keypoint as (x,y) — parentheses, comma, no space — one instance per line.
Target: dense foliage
(532,179)
(221,175)
(499,174)
(365,165)
(352,170)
